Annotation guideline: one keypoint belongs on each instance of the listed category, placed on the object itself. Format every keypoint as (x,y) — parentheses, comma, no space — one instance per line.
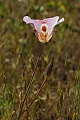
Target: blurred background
(19,50)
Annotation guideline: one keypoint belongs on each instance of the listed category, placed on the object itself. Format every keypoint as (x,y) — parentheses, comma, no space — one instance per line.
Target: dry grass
(22,69)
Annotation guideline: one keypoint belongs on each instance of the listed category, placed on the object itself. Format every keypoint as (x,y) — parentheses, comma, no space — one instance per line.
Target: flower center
(44,28)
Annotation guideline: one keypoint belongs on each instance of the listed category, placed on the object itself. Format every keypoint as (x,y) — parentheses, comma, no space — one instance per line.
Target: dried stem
(36,95)
(29,86)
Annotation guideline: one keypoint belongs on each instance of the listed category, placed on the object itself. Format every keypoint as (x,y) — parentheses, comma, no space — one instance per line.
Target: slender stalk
(31,80)
(36,95)
(29,86)
(48,73)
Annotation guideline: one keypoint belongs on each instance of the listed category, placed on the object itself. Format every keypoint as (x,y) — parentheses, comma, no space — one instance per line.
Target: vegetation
(39,81)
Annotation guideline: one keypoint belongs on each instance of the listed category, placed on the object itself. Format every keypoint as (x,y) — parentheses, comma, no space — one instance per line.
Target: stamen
(43,37)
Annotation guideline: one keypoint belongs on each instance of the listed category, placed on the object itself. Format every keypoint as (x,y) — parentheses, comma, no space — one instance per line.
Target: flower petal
(27,19)
(43,28)
(51,22)
(34,23)
(61,20)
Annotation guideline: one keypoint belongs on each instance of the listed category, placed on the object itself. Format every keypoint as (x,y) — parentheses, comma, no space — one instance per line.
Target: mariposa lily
(43,28)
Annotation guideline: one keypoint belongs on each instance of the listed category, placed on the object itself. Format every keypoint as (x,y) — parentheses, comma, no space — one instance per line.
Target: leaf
(49,68)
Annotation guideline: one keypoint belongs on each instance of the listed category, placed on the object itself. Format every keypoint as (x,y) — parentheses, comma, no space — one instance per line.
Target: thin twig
(29,86)
(48,73)
(36,95)
(31,80)
(23,79)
